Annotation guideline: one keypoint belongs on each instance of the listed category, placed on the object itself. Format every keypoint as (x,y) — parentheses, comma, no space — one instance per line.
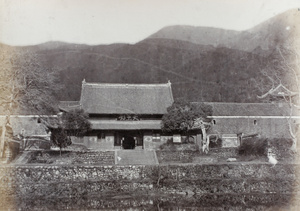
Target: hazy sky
(27,22)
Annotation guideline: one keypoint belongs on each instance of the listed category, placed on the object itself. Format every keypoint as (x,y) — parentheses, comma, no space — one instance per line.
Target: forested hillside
(203,64)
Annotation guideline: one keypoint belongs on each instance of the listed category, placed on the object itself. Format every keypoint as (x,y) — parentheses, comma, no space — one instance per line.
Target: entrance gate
(128,142)
(129,139)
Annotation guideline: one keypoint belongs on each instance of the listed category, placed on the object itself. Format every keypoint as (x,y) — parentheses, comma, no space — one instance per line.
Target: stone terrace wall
(223,153)
(187,156)
(207,202)
(176,156)
(93,158)
(34,181)
(102,157)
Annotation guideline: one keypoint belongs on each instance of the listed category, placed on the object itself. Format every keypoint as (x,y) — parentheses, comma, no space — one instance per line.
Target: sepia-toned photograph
(141,105)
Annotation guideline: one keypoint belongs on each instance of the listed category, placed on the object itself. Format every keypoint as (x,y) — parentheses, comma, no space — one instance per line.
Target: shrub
(253,146)
(169,145)
(215,143)
(187,139)
(282,148)
(170,141)
(281,143)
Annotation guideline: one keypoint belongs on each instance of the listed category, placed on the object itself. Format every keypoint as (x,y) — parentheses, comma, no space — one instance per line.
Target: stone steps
(23,158)
(136,157)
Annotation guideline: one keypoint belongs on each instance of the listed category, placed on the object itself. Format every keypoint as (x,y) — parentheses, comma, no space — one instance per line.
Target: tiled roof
(29,123)
(279,91)
(125,125)
(97,98)
(251,109)
(69,105)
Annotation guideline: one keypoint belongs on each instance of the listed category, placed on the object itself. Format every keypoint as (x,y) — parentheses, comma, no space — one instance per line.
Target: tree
(60,138)
(26,87)
(182,117)
(76,122)
(71,123)
(282,82)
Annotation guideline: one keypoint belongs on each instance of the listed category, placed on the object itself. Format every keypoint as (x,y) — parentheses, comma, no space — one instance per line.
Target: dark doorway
(128,142)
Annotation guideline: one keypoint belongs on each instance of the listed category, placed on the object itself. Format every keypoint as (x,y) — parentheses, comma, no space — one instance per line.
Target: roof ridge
(125,85)
(126,98)
(285,88)
(273,103)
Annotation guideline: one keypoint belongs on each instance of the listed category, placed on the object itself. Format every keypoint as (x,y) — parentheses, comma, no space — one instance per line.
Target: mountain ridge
(219,71)
(264,35)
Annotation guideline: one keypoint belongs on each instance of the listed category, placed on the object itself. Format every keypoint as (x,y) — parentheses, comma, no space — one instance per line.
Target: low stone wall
(91,158)
(208,202)
(187,156)
(223,153)
(101,157)
(176,156)
(43,181)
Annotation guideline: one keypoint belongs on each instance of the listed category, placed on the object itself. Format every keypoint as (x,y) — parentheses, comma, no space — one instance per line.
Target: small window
(214,122)
(255,122)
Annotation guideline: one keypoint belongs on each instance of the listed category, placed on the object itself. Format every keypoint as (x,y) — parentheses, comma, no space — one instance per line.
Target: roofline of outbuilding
(255,117)
(84,83)
(272,103)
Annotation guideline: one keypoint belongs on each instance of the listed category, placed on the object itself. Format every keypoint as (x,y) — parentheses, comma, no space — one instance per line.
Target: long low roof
(221,109)
(251,109)
(126,125)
